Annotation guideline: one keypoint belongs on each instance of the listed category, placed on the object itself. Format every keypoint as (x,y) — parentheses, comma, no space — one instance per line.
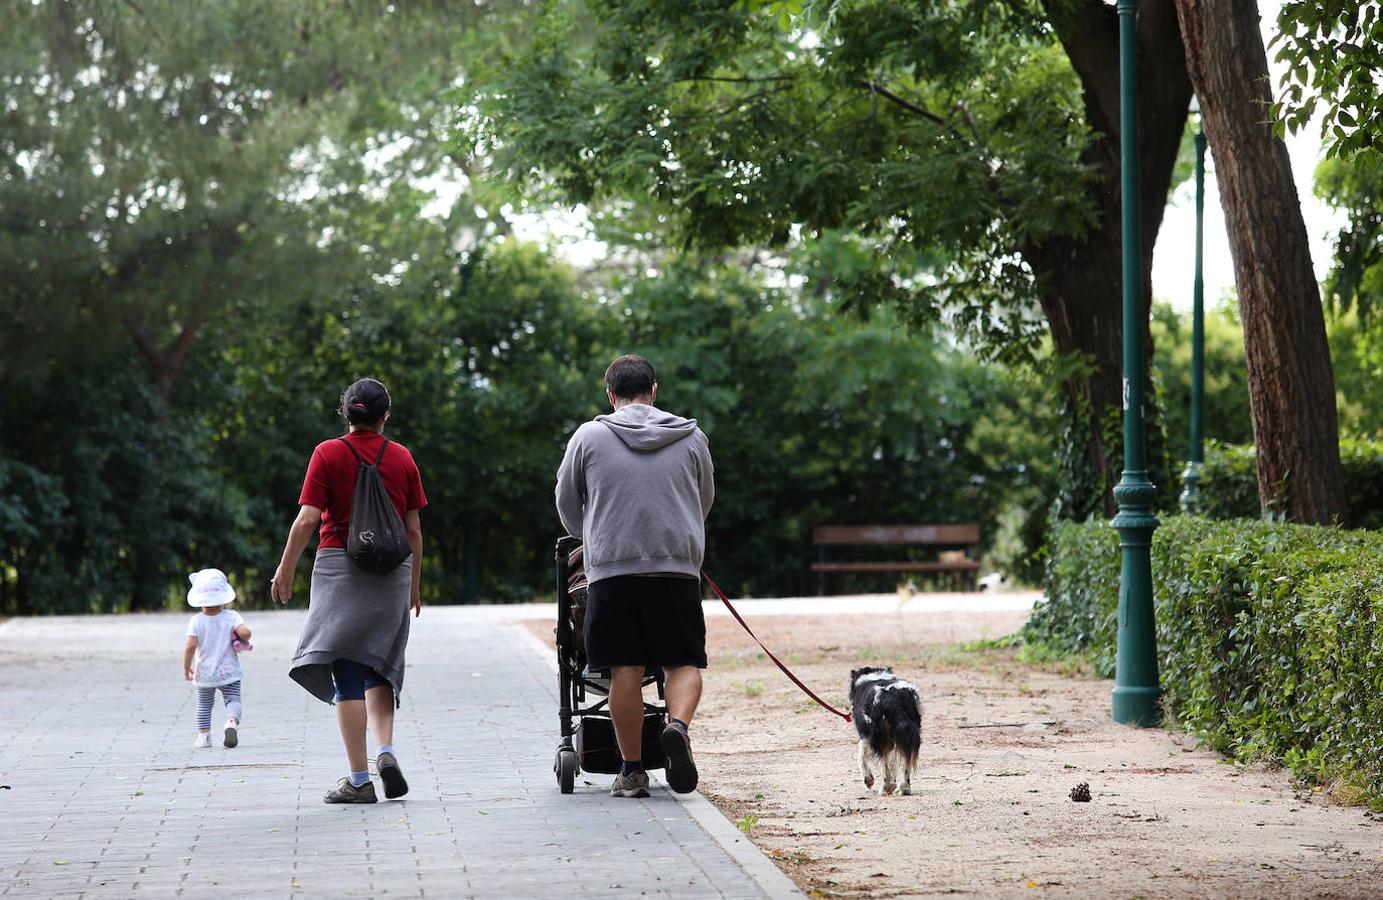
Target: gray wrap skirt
(356,615)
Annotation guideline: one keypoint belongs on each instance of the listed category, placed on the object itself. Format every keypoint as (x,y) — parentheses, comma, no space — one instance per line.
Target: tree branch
(176,353)
(875,88)
(142,343)
(737,79)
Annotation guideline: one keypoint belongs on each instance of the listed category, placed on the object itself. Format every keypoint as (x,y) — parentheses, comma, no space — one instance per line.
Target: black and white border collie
(887,712)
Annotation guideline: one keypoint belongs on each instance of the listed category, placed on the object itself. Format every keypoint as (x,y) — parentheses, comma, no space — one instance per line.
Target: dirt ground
(1004,743)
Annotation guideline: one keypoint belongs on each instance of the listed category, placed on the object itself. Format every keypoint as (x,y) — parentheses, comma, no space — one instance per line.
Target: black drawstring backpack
(377,540)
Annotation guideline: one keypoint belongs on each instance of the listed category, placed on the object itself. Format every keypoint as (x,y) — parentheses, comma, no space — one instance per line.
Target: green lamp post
(1136,691)
(1191,477)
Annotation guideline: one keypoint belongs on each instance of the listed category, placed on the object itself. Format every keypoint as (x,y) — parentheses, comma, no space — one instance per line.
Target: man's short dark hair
(629,377)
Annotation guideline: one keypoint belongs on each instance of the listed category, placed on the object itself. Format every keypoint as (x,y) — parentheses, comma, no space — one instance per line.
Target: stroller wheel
(565,767)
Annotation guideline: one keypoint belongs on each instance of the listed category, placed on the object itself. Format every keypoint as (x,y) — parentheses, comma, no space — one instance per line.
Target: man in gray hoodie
(636,487)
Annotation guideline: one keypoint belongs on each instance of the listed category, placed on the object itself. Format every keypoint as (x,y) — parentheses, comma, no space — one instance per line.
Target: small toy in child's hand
(239,645)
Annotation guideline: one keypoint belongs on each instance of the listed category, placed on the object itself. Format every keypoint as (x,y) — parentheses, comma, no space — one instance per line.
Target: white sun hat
(209,588)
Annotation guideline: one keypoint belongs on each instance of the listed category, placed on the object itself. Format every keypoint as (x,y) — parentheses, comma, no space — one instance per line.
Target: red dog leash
(777,662)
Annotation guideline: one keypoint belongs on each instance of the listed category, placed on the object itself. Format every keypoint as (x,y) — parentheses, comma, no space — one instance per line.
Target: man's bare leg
(626,709)
(682,686)
(683,689)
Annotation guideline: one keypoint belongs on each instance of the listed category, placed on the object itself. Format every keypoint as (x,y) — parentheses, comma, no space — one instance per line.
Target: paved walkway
(104,796)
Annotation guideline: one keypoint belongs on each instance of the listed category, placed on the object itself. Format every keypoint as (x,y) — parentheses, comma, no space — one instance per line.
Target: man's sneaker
(391,775)
(681,768)
(232,738)
(203,740)
(635,784)
(345,792)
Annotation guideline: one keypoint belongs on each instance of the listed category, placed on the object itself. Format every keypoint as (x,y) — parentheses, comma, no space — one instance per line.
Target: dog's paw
(886,788)
(905,790)
(869,781)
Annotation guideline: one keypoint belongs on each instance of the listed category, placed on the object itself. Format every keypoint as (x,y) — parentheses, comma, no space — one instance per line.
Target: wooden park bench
(964,538)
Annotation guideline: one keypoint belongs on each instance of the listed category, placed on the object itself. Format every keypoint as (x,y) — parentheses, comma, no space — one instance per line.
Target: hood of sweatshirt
(644,427)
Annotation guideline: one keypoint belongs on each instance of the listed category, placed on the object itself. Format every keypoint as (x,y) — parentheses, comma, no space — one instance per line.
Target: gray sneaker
(389,772)
(681,768)
(345,792)
(635,784)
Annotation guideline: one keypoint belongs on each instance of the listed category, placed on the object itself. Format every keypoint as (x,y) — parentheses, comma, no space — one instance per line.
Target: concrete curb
(737,846)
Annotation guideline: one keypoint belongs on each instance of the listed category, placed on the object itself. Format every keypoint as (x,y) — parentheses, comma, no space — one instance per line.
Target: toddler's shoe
(232,738)
(203,740)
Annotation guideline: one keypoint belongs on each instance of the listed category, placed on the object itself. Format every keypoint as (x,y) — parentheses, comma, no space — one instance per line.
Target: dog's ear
(889,670)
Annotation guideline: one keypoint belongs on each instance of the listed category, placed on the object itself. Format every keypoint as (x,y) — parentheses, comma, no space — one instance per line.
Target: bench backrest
(933,535)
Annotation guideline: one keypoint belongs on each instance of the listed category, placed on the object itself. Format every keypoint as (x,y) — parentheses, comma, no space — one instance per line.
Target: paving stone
(108,798)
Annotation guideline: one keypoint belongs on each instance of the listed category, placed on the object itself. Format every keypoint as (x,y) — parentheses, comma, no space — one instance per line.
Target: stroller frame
(574,681)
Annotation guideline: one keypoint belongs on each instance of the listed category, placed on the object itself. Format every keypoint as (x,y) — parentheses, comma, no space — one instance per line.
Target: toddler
(215,637)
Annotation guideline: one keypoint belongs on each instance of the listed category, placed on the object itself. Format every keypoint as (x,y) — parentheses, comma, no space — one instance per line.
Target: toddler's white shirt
(216,663)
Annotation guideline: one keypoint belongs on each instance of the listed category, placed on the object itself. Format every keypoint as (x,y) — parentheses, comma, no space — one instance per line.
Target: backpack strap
(359,458)
(353,453)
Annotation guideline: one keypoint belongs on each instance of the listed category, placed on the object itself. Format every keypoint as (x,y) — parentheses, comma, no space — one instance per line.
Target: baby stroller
(587,733)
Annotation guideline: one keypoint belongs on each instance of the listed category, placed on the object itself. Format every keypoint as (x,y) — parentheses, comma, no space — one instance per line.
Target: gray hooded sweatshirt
(636,487)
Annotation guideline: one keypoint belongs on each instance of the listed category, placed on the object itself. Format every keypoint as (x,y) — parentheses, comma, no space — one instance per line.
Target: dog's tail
(907,738)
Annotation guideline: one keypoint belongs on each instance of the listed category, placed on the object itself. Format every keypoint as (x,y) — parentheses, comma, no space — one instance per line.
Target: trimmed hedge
(1229,482)
(1270,636)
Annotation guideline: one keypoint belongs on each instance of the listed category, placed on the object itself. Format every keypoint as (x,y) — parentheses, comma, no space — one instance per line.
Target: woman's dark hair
(365,402)
(629,377)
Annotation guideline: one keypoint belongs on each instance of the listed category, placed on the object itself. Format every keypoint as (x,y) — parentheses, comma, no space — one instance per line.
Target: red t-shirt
(330,481)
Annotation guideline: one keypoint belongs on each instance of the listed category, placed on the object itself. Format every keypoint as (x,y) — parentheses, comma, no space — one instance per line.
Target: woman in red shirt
(351,651)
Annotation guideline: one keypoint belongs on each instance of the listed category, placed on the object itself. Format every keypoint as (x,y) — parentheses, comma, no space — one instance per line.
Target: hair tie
(357,406)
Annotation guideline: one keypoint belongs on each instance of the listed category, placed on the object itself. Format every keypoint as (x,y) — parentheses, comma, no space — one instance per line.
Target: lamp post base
(1137,706)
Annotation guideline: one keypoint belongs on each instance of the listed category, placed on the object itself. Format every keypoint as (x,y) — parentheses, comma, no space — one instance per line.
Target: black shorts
(645,620)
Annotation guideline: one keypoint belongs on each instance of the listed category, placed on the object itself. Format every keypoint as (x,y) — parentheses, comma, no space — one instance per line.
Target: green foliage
(176,179)
(496,372)
(935,158)
(1080,616)
(1226,379)
(813,419)
(494,357)
(1270,636)
(1355,281)
(1229,482)
(1356,356)
(1013,435)
(157,156)
(934,140)
(83,530)
(1334,53)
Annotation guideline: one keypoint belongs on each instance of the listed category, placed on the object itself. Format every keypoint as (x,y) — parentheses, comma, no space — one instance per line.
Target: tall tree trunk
(1080,279)
(1291,386)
